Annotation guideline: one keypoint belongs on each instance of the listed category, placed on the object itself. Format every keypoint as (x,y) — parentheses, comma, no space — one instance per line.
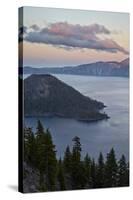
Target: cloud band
(71,36)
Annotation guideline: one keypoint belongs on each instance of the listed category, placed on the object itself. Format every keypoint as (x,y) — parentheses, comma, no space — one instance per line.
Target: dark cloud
(22,31)
(74,36)
(35,27)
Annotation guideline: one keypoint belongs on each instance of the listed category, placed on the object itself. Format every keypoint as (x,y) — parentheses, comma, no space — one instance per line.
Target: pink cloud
(74,36)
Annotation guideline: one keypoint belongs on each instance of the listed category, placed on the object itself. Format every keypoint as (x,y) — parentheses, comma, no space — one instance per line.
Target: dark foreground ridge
(45,95)
(42,171)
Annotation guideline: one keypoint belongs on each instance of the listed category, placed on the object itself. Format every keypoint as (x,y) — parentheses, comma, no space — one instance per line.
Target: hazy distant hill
(45,95)
(92,69)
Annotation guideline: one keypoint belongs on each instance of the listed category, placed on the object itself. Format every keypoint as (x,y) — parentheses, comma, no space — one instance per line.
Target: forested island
(45,95)
(44,172)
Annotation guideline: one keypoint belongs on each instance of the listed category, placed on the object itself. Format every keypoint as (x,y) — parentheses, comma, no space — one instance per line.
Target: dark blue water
(99,136)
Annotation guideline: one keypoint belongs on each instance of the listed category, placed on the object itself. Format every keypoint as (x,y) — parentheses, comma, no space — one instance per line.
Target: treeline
(71,172)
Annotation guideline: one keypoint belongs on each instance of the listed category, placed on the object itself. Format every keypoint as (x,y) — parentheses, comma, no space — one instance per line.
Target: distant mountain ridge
(45,95)
(120,69)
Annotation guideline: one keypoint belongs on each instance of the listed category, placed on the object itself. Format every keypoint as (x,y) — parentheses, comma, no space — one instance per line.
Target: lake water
(98,136)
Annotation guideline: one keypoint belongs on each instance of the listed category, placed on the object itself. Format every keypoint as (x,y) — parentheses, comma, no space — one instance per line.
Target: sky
(55,37)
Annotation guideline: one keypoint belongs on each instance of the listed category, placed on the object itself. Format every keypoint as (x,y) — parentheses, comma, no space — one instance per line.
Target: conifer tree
(50,162)
(123,174)
(76,163)
(46,158)
(127,175)
(100,172)
(93,174)
(77,148)
(40,129)
(67,160)
(29,147)
(87,164)
(61,176)
(82,176)
(111,170)
(40,152)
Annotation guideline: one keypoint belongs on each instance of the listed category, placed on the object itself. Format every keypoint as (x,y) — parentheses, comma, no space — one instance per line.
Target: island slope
(45,95)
